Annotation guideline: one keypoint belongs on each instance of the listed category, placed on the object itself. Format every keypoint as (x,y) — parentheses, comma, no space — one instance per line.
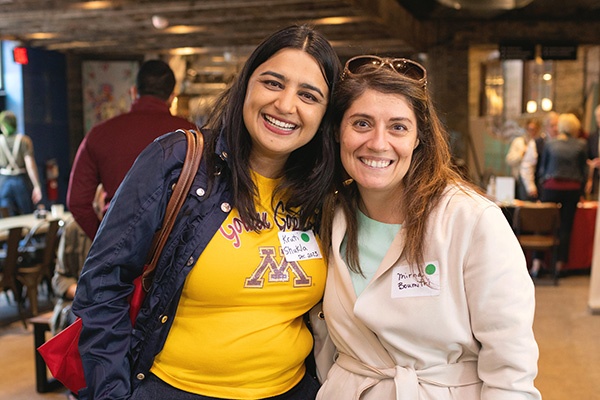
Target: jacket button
(224,155)
(225,207)
(140,376)
(200,192)
(190,261)
(164,319)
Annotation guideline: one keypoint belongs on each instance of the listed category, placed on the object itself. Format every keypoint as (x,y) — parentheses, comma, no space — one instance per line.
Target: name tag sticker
(412,283)
(299,245)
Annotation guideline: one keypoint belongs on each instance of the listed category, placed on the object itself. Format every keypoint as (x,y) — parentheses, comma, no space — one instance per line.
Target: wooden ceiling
(125,27)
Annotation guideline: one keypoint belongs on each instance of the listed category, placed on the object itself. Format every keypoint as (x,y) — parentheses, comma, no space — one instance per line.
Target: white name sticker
(412,283)
(299,245)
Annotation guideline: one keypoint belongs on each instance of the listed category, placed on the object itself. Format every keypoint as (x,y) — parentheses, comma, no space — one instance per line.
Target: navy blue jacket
(564,159)
(115,355)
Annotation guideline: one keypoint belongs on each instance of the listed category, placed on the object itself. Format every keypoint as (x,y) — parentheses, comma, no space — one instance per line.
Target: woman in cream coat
(427,295)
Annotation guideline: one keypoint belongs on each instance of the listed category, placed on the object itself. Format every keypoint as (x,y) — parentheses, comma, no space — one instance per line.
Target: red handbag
(61,352)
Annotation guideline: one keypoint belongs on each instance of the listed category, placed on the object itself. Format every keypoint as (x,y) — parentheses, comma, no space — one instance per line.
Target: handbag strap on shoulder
(190,166)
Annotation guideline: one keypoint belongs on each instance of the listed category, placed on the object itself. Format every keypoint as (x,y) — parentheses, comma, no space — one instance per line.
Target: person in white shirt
(591,185)
(528,170)
(517,151)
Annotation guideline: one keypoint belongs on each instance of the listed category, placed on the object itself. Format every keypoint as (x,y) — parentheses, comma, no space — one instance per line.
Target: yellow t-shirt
(238,331)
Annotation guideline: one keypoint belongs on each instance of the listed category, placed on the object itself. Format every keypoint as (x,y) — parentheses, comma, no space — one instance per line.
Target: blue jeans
(15,194)
(154,388)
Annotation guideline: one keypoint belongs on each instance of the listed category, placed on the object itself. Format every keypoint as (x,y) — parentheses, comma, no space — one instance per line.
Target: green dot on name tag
(430,269)
(305,237)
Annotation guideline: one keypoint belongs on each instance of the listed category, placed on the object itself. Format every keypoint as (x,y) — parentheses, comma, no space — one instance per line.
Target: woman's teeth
(279,124)
(375,163)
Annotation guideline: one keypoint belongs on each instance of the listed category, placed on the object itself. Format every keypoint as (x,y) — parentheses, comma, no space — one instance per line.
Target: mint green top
(374,240)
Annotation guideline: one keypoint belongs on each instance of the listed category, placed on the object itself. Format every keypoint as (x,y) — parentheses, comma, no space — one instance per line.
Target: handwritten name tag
(299,245)
(411,283)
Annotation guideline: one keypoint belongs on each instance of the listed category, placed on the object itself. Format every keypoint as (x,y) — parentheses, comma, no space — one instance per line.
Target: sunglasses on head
(405,67)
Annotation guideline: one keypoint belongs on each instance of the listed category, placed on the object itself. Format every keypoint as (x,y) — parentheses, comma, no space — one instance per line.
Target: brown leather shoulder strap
(191,163)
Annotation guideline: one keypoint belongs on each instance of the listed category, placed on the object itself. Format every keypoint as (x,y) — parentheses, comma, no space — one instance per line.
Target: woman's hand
(36,195)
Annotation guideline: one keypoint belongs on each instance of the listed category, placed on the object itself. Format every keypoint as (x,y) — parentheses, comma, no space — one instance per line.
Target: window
(538,90)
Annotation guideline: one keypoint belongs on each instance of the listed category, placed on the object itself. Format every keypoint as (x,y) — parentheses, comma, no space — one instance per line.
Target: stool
(41,325)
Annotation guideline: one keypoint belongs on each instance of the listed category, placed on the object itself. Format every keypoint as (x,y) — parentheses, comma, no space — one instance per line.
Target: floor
(568,337)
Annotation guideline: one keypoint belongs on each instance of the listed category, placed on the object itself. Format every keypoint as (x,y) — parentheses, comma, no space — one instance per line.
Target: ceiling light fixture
(339,20)
(42,35)
(185,51)
(92,5)
(159,22)
(485,4)
(185,29)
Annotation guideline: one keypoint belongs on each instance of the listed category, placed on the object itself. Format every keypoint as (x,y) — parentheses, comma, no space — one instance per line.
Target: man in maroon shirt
(110,148)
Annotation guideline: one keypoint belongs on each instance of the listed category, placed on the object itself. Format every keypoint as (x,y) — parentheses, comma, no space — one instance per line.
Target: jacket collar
(222,148)
(150,104)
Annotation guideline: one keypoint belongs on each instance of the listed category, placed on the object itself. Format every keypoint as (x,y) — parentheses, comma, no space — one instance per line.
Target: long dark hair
(308,172)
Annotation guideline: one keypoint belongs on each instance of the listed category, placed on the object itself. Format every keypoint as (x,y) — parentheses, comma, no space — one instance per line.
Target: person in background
(110,148)
(591,185)
(529,170)
(563,172)
(73,248)
(581,133)
(19,180)
(414,272)
(517,150)
(223,317)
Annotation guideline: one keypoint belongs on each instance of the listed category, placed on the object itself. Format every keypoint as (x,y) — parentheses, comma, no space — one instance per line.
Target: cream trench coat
(468,338)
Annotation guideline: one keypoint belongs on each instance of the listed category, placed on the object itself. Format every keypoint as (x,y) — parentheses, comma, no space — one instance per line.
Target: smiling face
(285,102)
(552,125)
(378,134)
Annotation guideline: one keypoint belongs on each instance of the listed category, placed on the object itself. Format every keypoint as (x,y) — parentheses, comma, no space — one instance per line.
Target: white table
(27,222)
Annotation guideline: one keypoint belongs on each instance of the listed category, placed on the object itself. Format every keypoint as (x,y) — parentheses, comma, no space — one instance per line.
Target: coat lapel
(340,299)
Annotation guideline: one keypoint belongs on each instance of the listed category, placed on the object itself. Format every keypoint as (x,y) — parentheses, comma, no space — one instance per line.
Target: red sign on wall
(20,55)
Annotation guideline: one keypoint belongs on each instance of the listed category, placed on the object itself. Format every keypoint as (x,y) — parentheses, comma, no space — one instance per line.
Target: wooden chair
(536,226)
(31,273)
(8,273)
(4,212)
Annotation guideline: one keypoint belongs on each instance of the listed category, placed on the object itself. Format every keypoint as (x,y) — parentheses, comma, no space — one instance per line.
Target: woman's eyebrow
(275,74)
(361,115)
(400,119)
(311,87)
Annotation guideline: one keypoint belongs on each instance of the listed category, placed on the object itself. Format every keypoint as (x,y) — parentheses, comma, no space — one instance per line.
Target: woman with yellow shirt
(224,316)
